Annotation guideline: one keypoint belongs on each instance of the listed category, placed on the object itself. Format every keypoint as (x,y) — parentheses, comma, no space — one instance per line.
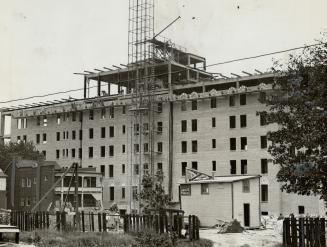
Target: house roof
(2,175)
(34,163)
(223,179)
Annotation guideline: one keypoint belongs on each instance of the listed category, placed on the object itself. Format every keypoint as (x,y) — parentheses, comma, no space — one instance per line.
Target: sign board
(185,189)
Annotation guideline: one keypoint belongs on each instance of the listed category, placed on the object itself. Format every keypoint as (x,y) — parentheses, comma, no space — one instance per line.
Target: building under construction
(160,111)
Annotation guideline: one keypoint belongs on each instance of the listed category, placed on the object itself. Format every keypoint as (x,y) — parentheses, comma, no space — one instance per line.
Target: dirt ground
(249,238)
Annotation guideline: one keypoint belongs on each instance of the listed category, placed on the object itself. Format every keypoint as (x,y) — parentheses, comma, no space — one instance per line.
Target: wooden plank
(294,231)
(323,232)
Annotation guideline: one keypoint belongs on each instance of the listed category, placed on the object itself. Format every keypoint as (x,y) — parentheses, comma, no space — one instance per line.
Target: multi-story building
(190,119)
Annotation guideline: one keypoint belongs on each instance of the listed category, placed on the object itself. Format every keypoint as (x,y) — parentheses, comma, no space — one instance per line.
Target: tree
(298,105)
(23,150)
(153,196)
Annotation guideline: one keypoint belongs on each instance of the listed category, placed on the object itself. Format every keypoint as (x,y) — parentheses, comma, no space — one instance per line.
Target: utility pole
(76,196)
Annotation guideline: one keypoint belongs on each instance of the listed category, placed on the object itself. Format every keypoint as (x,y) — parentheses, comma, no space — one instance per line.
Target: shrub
(152,239)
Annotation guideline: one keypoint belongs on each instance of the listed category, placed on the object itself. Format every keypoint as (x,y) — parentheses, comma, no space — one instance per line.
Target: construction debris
(230,227)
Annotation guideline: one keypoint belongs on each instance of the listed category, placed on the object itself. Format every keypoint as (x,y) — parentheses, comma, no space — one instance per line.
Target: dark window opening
(232,100)
(264,193)
(244,143)
(194,105)
(214,165)
(103,132)
(213,122)
(232,166)
(184,125)
(194,165)
(243,99)
(213,102)
(184,147)
(232,122)
(263,140)
(264,166)
(194,146)
(243,121)
(194,125)
(184,166)
(232,143)
(244,166)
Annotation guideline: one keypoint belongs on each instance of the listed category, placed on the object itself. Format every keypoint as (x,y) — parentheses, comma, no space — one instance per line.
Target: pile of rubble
(230,227)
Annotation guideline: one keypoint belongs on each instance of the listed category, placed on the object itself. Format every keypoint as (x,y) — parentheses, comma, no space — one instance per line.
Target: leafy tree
(153,196)
(298,105)
(23,150)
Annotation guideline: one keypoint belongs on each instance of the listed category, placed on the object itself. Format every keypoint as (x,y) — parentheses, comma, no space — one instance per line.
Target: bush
(152,239)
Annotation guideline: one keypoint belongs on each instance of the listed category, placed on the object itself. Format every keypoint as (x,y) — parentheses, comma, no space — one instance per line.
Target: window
(124,109)
(194,125)
(28,201)
(213,122)
(44,153)
(111,150)
(103,170)
(204,189)
(232,122)
(123,168)
(74,116)
(184,147)
(24,123)
(264,213)
(19,123)
(184,166)
(194,105)
(213,143)
(214,165)
(136,148)
(262,97)
(38,121)
(112,193)
(57,154)
(232,143)
(263,141)
(18,139)
(123,148)
(111,112)
(73,152)
(64,134)
(58,136)
(243,99)
(90,152)
(243,121)
(23,182)
(159,146)
(159,107)
(22,202)
(24,138)
(111,131)
(38,138)
(244,143)
(184,125)
(67,135)
(134,192)
(264,193)
(73,134)
(301,210)
(44,138)
(232,100)
(213,102)
(123,129)
(91,133)
(246,186)
(185,189)
(194,146)
(244,166)
(123,193)
(183,106)
(80,153)
(136,169)
(232,167)
(103,132)
(91,115)
(80,134)
(45,121)
(145,147)
(136,129)
(263,119)
(194,165)
(80,116)
(264,166)
(102,151)
(159,127)
(159,166)
(103,113)
(111,171)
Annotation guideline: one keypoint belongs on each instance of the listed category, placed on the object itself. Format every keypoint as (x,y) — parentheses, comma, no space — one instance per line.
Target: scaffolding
(141,76)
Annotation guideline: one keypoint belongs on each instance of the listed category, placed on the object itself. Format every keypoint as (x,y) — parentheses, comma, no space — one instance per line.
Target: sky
(43,42)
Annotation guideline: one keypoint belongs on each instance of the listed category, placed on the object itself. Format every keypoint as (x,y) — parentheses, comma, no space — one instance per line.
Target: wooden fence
(304,232)
(102,222)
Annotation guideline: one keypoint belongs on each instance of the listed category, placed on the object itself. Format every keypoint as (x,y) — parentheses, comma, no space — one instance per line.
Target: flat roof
(223,179)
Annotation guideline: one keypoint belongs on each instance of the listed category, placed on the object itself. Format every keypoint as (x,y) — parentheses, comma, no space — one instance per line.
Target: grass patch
(48,238)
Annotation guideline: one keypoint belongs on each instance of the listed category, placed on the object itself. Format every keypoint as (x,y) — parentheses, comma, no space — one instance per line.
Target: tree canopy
(298,104)
(152,196)
(14,149)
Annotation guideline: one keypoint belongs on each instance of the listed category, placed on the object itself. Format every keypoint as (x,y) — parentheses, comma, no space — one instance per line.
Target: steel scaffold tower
(141,76)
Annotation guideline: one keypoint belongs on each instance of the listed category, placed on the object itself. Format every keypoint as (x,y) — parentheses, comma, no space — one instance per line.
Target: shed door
(246,209)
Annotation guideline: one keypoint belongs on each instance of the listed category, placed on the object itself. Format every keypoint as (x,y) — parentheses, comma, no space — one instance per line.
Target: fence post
(99,222)
(301,232)
(104,222)
(322,232)
(63,221)
(294,231)
(190,230)
(58,222)
(83,221)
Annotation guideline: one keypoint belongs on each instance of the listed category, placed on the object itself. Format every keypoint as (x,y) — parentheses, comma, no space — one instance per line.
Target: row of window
(233,166)
(187,191)
(232,141)
(136,169)
(27,182)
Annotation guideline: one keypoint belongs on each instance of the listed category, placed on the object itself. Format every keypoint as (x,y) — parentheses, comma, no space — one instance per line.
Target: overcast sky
(43,42)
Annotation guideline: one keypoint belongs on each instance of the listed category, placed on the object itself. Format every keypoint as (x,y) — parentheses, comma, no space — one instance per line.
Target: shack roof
(223,179)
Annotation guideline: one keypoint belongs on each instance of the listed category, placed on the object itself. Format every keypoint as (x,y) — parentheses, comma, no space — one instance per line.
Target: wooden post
(301,232)
(294,231)
(287,232)
(322,232)
(104,222)
(92,221)
(99,222)
(48,220)
(197,229)
(125,223)
(190,230)
(58,222)
(83,221)
(63,221)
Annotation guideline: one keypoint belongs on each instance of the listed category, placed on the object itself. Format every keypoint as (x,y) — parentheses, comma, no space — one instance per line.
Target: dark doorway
(246,208)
